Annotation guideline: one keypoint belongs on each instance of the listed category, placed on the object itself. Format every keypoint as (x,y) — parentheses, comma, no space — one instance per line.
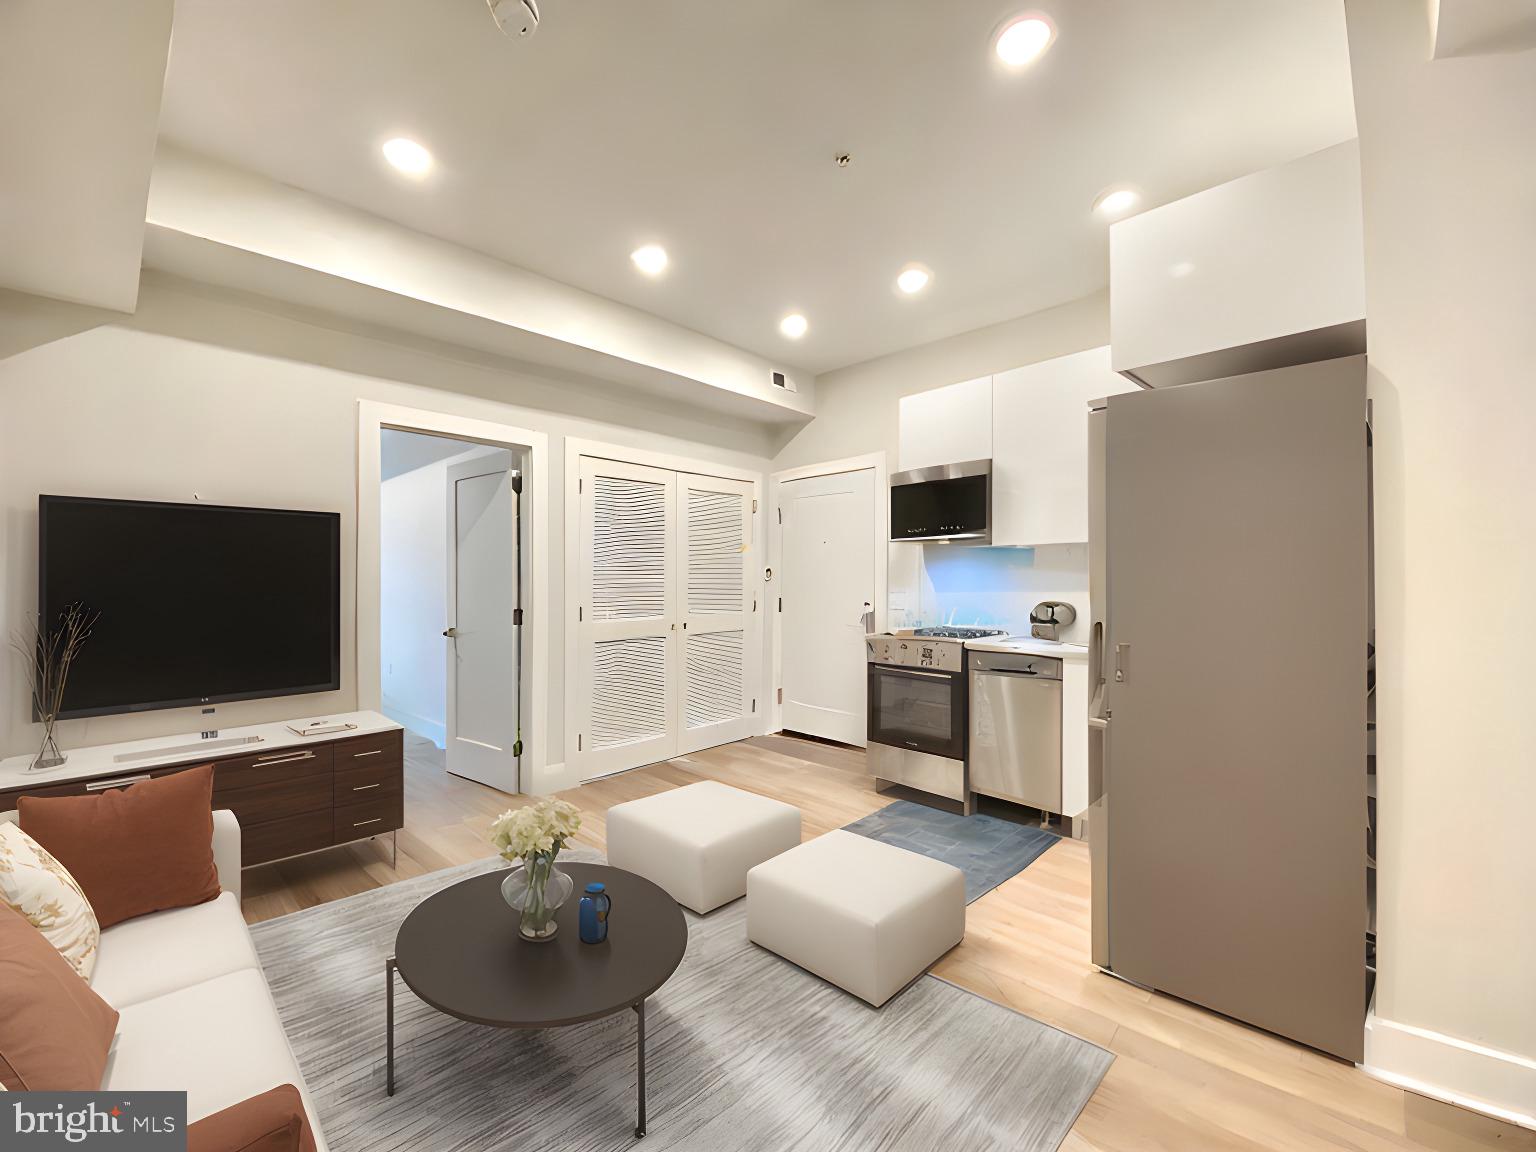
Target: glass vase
(48,756)
(536,889)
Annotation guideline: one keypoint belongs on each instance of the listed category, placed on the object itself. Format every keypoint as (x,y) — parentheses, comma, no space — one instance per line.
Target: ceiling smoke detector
(516,18)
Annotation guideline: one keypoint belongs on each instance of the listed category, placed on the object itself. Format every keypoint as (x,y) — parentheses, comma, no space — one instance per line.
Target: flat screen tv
(195,603)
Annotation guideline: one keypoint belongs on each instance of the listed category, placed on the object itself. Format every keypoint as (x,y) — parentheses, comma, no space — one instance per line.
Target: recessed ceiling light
(913,279)
(1116,202)
(408,156)
(1022,40)
(650,259)
(794,325)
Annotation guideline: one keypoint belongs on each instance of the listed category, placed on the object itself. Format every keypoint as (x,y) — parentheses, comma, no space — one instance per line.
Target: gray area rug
(988,850)
(744,1052)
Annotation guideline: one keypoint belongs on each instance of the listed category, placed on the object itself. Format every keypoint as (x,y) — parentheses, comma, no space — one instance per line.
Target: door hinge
(580,483)
(781,695)
(517,617)
(517,483)
(579,611)
(578,741)
(781,603)
(754,703)
(754,603)
(781,515)
(754,507)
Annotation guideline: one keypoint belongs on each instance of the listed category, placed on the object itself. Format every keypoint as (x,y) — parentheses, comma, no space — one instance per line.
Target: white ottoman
(698,842)
(865,915)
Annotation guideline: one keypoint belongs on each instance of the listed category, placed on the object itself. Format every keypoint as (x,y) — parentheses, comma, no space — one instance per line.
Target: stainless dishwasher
(1015,737)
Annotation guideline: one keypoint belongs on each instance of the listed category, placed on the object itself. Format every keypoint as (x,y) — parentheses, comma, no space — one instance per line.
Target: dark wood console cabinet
(289,801)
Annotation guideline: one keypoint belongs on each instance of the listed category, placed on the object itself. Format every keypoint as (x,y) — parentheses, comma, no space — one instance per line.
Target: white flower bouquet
(532,837)
(539,829)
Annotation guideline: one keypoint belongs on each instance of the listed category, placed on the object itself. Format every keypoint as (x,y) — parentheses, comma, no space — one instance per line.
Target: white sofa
(195,1012)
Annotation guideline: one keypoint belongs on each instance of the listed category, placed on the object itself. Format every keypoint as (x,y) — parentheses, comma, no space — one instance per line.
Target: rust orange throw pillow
(54,1031)
(272,1122)
(133,850)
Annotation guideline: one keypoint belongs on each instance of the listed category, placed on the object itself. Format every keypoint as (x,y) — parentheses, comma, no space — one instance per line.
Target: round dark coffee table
(459,951)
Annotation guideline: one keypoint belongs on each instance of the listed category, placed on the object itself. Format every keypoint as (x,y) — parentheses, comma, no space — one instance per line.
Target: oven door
(917,708)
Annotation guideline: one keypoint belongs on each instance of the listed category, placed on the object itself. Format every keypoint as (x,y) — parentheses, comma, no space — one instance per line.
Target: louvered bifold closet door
(627,636)
(719,649)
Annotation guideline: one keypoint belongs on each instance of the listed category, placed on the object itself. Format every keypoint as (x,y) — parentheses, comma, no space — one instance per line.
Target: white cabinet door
(947,425)
(1260,272)
(627,630)
(719,635)
(1040,451)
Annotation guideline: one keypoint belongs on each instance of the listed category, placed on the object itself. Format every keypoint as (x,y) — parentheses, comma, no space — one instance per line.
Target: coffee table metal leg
(640,1041)
(389,1025)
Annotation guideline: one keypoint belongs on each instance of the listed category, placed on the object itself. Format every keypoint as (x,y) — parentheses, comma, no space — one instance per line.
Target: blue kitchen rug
(988,850)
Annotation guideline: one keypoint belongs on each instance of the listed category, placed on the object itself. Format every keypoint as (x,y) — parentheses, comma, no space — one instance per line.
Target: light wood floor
(1183,1079)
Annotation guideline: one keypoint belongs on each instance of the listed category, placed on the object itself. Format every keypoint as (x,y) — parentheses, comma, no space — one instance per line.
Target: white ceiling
(711,127)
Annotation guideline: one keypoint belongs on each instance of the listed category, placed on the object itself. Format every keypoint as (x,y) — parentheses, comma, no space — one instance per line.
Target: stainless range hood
(945,502)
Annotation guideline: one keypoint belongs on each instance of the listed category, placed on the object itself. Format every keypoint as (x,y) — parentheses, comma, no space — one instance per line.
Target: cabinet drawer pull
(121,782)
(375,752)
(365,787)
(282,759)
(365,823)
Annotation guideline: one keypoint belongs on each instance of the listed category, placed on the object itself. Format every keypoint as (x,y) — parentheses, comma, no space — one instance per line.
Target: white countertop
(183,748)
(1027,644)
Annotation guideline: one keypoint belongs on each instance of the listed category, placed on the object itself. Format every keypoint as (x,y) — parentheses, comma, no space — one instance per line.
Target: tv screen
(194,603)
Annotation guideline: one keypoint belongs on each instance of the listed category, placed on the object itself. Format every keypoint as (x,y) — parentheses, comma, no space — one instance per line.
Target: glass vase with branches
(49,654)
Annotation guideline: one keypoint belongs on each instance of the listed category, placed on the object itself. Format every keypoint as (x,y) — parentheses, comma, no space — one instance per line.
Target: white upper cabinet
(1040,453)
(947,425)
(1259,273)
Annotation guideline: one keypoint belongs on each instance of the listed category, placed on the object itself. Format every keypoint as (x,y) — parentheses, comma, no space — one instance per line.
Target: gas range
(941,648)
(955,632)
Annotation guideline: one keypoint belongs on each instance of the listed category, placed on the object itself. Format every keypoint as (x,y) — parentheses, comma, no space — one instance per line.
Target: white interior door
(627,604)
(482,635)
(827,565)
(718,595)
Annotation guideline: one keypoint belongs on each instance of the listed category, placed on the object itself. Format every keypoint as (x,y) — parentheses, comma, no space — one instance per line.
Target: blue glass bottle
(595,906)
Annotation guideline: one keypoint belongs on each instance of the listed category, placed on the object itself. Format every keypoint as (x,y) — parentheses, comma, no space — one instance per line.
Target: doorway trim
(874,460)
(373,417)
(575,449)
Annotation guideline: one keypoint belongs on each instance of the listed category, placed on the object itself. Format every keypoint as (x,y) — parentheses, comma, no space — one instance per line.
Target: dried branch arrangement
(49,653)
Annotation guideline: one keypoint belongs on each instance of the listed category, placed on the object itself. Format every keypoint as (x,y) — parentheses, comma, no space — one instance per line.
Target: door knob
(451,632)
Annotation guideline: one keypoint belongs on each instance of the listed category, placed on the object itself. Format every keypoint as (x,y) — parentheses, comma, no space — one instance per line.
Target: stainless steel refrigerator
(1229,584)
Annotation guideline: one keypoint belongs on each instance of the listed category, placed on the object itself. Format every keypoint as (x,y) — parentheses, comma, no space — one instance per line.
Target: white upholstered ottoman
(697,842)
(867,916)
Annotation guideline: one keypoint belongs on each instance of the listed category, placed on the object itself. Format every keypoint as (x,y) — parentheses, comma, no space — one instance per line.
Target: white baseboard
(434,730)
(1498,1084)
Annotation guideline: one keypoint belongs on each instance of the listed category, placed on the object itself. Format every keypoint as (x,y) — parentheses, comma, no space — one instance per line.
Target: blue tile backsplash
(996,587)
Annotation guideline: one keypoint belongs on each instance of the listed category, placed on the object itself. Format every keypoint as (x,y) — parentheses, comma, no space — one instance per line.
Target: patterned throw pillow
(46,895)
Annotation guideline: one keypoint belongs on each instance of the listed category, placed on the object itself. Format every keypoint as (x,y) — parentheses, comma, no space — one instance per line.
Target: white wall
(857,410)
(243,406)
(413,588)
(1448,154)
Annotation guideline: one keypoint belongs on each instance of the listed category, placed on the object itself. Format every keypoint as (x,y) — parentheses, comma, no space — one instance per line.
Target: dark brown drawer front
(277,800)
(82,787)
(269,767)
(277,839)
(369,781)
(379,748)
(355,821)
